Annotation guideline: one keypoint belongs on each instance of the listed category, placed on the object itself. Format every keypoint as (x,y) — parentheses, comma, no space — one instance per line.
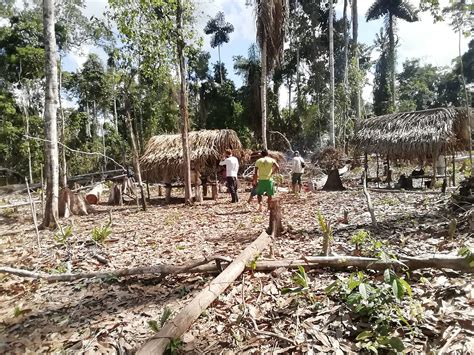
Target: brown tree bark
(50,121)
(183,106)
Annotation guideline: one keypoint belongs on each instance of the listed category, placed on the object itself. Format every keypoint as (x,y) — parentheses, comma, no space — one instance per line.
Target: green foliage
(300,280)
(174,346)
(360,238)
(378,304)
(324,225)
(100,234)
(155,326)
(64,235)
(468,254)
(18,311)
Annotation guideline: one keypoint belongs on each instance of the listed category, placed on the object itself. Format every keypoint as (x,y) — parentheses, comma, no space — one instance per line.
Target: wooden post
(275,226)
(176,327)
(148,190)
(454,169)
(435,163)
(204,189)
(366,164)
(214,191)
(33,214)
(160,190)
(389,173)
(168,192)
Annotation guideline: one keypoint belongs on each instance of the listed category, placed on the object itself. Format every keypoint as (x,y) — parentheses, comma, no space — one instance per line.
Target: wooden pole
(33,213)
(454,169)
(369,203)
(176,327)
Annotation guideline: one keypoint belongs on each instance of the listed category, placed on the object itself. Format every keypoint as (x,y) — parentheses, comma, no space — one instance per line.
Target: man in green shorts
(265,167)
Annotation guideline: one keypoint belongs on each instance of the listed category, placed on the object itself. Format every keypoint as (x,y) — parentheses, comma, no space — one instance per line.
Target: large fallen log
(436,261)
(93,196)
(180,324)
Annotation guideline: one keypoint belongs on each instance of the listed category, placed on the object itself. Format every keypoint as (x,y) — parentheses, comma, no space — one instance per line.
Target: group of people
(262,181)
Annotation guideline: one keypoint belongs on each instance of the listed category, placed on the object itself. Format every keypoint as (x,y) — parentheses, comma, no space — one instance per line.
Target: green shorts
(265,187)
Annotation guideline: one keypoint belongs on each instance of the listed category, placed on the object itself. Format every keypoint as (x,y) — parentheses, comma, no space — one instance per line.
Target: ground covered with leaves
(283,311)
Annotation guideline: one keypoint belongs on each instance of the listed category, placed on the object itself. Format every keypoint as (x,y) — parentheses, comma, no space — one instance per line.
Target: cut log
(93,196)
(437,262)
(176,327)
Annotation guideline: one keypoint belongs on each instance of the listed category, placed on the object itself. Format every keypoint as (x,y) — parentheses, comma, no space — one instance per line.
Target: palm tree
(355,33)
(271,18)
(220,31)
(392,10)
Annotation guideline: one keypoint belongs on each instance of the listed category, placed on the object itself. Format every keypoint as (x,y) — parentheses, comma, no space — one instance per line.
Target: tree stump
(275,225)
(71,203)
(334,182)
(115,197)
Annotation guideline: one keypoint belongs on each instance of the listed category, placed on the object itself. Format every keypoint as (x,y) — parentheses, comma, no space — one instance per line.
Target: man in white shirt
(231,169)
(297,169)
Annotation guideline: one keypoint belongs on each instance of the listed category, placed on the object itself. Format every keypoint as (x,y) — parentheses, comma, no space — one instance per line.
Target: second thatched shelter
(163,156)
(417,134)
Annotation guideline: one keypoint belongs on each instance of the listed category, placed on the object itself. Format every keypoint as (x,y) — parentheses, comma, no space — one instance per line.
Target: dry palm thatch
(163,157)
(249,156)
(415,134)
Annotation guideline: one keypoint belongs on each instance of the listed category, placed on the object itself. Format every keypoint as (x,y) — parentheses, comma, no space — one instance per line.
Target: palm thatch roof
(415,134)
(163,156)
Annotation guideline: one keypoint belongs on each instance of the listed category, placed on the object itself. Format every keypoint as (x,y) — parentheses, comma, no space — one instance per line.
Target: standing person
(264,169)
(297,169)
(231,169)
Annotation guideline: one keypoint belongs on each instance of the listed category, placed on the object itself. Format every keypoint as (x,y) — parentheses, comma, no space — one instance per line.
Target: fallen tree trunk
(203,266)
(176,327)
(93,196)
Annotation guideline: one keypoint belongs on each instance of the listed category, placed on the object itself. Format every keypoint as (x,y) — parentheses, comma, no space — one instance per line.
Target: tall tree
(183,102)
(271,18)
(220,34)
(332,138)
(50,124)
(392,10)
(355,38)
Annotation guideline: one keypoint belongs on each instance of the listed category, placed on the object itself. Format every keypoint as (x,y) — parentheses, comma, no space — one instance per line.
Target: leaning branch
(75,150)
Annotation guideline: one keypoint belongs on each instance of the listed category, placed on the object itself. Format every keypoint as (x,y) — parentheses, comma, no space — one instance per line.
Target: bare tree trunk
(332,138)
(183,107)
(466,98)
(355,30)
(345,114)
(50,122)
(27,131)
(136,162)
(392,57)
(263,93)
(220,63)
(63,170)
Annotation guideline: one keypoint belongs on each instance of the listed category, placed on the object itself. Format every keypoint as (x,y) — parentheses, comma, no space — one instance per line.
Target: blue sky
(432,43)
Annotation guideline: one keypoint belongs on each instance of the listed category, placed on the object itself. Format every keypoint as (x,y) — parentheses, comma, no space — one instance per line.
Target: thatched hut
(415,134)
(163,157)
